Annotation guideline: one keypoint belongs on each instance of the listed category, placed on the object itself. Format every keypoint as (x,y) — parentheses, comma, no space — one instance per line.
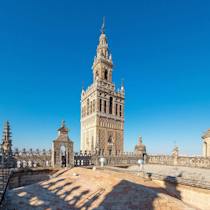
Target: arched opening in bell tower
(110,105)
(106,74)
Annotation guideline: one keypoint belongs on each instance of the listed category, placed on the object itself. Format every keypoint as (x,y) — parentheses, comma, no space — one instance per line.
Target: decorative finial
(140,140)
(63,123)
(122,84)
(103,26)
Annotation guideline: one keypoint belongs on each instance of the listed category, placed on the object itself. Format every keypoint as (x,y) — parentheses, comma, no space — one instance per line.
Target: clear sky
(160,48)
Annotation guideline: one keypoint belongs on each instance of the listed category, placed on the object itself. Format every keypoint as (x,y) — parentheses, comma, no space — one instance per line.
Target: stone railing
(199,162)
(31,152)
(32,158)
(160,159)
(194,162)
(170,160)
(42,158)
(120,159)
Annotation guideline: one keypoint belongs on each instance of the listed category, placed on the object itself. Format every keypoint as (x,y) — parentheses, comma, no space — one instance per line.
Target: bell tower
(102,107)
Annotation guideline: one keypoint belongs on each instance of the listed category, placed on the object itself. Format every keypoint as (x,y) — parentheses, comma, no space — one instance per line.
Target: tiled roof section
(206,134)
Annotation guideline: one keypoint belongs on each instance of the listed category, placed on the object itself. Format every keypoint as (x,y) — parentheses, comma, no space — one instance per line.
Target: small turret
(140,148)
(6,141)
(6,146)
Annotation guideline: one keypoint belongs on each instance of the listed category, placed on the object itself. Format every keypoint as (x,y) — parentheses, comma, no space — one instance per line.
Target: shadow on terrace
(65,193)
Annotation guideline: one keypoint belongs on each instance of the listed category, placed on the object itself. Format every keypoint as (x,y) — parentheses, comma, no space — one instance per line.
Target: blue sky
(160,48)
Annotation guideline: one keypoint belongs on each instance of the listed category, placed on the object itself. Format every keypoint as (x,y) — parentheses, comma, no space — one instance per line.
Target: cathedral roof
(206,134)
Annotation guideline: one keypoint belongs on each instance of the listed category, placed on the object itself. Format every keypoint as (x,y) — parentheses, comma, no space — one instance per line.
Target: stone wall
(194,196)
(23,177)
(197,162)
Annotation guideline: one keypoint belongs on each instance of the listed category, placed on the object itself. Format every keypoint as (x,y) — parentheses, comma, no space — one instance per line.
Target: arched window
(104,106)
(100,105)
(116,109)
(63,150)
(63,155)
(120,110)
(110,105)
(110,139)
(106,74)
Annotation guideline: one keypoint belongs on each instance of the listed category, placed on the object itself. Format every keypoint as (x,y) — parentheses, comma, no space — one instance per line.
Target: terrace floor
(81,188)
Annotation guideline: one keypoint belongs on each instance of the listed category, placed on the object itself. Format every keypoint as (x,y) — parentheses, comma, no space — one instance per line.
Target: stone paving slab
(81,188)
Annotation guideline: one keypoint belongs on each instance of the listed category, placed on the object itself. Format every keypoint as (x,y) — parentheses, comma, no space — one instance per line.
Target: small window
(116,109)
(110,105)
(120,110)
(110,139)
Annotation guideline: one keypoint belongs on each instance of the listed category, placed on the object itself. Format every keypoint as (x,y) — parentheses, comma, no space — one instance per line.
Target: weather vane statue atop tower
(103,26)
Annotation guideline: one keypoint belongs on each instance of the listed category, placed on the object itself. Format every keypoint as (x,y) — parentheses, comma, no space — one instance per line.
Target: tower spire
(6,141)
(103,26)
(102,64)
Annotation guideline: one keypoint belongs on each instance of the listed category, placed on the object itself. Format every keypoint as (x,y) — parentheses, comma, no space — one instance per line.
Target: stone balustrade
(32,158)
(194,162)
(42,158)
